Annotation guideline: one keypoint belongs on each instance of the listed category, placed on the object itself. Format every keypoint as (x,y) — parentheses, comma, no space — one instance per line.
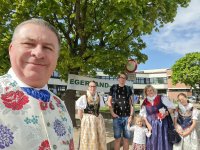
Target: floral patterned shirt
(27,123)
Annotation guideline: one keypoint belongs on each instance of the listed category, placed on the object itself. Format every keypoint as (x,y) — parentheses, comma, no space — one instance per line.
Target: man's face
(33,54)
(122,79)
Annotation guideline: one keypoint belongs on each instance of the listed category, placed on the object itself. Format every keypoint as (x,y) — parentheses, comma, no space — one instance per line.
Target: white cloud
(183,35)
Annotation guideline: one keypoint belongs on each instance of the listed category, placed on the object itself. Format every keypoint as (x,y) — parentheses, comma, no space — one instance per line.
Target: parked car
(192,99)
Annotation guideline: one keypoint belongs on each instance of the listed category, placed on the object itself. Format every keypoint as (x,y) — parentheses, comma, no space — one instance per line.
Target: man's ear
(10,47)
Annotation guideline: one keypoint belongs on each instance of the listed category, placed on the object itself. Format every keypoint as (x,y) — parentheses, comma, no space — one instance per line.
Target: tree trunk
(69,98)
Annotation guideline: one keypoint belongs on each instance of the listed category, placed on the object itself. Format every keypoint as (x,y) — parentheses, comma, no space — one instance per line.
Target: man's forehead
(122,75)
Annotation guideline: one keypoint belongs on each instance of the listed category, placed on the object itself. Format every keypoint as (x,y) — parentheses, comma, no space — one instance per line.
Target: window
(55,75)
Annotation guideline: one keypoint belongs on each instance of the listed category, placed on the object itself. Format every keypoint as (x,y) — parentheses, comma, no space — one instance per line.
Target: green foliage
(106,108)
(187,70)
(96,34)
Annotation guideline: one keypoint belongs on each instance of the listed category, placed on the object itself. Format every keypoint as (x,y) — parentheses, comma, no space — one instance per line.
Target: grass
(106,109)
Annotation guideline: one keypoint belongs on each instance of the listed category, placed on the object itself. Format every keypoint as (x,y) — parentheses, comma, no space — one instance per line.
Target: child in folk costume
(185,121)
(93,135)
(140,133)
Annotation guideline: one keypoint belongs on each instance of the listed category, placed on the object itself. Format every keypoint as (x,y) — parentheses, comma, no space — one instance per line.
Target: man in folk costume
(31,116)
(92,135)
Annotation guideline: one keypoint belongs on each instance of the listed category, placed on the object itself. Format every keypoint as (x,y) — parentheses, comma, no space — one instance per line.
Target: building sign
(81,83)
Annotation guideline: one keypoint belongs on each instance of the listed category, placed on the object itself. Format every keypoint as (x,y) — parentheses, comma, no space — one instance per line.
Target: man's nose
(37,51)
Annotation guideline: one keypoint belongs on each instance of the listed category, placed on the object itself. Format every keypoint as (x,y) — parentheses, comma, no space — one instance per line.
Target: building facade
(159,78)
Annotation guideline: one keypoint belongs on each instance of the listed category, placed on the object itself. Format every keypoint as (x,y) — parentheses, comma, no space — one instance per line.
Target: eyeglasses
(123,77)
(92,86)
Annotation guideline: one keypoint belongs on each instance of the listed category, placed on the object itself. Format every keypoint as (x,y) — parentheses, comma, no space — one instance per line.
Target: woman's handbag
(173,136)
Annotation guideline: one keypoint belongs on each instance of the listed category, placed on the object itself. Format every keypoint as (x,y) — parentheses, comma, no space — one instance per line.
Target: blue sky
(174,40)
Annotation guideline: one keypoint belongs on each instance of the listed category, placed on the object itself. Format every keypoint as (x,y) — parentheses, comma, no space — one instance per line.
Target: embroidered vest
(185,120)
(92,108)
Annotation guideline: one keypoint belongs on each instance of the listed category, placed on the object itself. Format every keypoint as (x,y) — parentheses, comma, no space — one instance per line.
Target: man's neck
(121,85)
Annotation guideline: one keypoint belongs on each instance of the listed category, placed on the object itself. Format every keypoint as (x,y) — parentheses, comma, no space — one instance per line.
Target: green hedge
(106,109)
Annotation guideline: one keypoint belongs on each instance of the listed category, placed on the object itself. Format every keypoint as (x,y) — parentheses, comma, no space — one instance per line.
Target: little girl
(140,133)
(185,121)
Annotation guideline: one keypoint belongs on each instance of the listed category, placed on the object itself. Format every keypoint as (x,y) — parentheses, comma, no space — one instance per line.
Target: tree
(96,34)
(187,70)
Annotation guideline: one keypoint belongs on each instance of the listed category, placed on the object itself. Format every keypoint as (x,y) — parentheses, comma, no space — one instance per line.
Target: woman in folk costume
(185,121)
(154,112)
(93,136)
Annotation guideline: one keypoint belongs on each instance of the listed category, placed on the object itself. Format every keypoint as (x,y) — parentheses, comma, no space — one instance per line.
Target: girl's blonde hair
(138,117)
(149,87)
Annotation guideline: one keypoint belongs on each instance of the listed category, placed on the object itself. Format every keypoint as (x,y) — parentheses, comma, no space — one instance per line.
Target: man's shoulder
(5,80)
(54,95)
(113,87)
(127,88)
(116,86)
(5,76)
(56,98)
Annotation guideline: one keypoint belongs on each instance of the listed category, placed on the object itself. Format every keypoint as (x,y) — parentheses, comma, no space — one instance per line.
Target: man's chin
(35,76)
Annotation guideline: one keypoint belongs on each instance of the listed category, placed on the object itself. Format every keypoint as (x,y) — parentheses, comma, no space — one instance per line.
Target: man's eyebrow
(33,40)
(27,39)
(49,44)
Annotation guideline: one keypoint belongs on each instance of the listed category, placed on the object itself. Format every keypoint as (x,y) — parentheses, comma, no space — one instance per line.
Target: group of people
(149,127)
(32,117)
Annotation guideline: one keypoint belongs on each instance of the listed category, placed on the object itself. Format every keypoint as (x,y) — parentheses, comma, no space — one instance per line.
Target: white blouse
(165,101)
(81,103)
(140,134)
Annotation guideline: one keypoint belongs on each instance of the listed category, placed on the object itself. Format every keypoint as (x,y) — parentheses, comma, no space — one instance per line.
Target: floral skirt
(93,134)
(139,146)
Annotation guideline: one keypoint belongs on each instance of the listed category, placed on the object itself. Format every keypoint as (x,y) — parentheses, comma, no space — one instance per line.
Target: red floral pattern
(44,145)
(43,105)
(71,144)
(51,106)
(57,100)
(14,99)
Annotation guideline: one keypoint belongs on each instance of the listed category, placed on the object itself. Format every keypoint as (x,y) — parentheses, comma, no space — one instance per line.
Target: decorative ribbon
(42,94)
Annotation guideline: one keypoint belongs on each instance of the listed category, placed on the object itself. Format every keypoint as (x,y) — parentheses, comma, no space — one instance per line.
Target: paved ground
(109,133)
